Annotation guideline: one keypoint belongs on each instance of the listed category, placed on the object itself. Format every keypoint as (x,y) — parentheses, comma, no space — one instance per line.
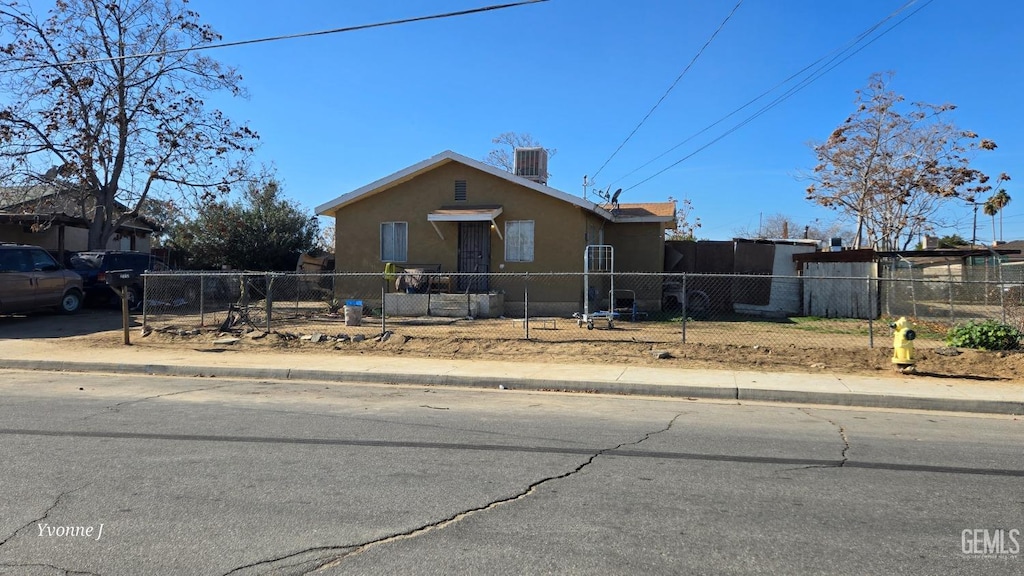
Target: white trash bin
(353,314)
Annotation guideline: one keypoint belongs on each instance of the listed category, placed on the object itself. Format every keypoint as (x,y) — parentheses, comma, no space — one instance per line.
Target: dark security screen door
(474,255)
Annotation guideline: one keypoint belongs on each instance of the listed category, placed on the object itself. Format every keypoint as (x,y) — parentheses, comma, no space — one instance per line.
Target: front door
(474,255)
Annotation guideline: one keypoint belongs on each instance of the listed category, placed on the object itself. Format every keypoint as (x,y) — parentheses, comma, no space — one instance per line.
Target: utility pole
(584,186)
(974,228)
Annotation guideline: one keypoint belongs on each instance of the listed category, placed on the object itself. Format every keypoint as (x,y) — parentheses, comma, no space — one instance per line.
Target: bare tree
(891,171)
(504,157)
(326,240)
(686,223)
(111,93)
(785,227)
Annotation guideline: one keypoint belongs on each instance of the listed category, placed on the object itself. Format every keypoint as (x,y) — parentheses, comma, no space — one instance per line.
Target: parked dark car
(31,279)
(93,266)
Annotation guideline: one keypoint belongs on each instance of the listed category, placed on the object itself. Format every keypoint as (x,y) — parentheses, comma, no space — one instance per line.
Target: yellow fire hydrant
(903,344)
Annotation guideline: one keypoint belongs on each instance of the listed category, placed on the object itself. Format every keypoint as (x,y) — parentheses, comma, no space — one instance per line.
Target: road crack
(325,557)
(56,503)
(58,569)
(843,458)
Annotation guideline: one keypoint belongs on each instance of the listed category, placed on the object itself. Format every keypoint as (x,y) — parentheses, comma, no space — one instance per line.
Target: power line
(665,95)
(836,53)
(283,37)
(786,95)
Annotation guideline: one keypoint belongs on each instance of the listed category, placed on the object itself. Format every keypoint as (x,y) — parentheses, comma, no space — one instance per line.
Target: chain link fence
(949,294)
(748,310)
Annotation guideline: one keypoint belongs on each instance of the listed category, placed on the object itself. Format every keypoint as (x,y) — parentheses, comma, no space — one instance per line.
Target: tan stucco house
(456,214)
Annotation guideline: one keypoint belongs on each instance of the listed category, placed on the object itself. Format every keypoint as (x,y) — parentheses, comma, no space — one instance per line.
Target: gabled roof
(25,198)
(449,156)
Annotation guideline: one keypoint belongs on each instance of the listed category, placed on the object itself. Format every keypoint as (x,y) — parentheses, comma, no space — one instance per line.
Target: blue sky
(337,112)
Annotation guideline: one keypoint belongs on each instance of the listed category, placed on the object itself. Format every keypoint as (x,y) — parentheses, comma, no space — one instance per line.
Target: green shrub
(987,335)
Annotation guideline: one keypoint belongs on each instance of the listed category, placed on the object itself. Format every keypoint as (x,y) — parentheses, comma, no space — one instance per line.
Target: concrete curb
(883,401)
(536,384)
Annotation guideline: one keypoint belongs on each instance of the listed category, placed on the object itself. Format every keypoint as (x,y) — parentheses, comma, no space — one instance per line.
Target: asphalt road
(212,476)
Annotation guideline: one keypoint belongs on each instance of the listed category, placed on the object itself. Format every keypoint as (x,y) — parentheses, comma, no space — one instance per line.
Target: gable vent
(532,164)
(460,190)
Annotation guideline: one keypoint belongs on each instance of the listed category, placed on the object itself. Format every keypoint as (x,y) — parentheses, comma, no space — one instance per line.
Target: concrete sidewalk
(926,393)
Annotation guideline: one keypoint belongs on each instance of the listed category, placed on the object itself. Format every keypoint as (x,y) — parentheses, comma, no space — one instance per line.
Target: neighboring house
(455,214)
(1014,245)
(46,215)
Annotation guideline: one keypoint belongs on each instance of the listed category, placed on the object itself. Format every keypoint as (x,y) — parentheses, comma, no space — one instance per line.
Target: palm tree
(991,209)
(1001,199)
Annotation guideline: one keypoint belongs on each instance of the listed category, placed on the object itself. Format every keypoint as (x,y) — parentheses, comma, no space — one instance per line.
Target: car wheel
(71,302)
(698,305)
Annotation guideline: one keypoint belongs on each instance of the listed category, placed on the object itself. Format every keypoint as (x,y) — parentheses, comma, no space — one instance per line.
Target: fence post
(893,286)
(145,300)
(202,300)
(999,288)
(685,302)
(526,304)
(871,317)
(270,298)
(383,305)
(949,273)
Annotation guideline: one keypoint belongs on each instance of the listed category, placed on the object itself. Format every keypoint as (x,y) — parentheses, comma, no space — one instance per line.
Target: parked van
(30,279)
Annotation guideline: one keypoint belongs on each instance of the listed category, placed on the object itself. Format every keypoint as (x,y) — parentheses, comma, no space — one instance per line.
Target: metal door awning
(465,215)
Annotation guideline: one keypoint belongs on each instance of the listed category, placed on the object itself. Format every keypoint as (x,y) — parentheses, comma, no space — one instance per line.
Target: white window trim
(405,248)
(512,238)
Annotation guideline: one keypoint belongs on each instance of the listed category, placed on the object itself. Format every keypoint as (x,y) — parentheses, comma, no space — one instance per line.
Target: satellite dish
(615,197)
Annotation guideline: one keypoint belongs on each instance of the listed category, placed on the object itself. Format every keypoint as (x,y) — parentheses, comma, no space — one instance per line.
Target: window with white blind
(519,241)
(394,241)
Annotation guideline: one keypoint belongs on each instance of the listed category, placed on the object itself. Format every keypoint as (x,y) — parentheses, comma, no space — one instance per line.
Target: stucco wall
(639,247)
(559,227)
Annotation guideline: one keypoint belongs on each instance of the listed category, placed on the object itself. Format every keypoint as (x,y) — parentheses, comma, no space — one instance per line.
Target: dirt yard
(781,348)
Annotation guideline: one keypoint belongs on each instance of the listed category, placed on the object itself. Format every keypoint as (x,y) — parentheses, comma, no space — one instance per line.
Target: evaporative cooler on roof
(532,164)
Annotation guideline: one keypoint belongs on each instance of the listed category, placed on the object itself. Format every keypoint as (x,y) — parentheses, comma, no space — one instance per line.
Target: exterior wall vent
(532,164)
(460,190)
